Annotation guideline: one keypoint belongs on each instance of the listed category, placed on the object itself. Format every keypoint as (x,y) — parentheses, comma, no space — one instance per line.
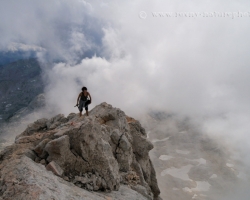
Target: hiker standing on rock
(83,100)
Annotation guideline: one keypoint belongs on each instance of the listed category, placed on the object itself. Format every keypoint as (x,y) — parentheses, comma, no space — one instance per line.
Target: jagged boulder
(34,127)
(39,149)
(103,151)
(58,150)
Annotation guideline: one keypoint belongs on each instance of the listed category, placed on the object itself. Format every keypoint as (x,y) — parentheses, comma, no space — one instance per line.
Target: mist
(191,66)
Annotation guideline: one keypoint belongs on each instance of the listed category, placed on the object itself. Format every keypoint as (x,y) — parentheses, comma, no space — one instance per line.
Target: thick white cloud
(185,65)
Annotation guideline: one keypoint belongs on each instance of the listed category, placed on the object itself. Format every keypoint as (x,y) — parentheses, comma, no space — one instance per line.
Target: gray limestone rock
(39,149)
(30,154)
(56,121)
(100,152)
(34,127)
(59,151)
(55,168)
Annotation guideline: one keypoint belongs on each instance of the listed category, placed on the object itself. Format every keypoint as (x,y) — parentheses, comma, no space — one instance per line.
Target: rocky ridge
(106,152)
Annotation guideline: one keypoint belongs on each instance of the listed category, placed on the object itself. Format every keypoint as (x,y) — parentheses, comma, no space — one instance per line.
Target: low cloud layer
(64,28)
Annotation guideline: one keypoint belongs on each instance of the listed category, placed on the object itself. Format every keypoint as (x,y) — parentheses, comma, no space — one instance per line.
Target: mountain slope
(106,152)
(20,83)
(190,165)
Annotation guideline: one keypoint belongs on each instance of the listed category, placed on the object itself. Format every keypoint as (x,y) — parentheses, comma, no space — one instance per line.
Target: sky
(133,55)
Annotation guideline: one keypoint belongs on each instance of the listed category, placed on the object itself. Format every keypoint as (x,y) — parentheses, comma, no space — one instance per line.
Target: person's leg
(87,112)
(86,107)
(80,108)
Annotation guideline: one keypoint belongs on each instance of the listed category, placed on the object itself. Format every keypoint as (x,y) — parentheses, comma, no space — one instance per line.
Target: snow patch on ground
(186,189)
(165,157)
(230,165)
(242,176)
(182,152)
(214,176)
(201,161)
(183,132)
(162,140)
(202,186)
(181,173)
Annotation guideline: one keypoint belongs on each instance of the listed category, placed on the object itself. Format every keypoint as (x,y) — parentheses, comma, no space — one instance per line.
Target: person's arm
(77,101)
(90,97)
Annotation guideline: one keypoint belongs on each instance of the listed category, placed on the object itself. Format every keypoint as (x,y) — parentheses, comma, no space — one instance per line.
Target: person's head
(84,89)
